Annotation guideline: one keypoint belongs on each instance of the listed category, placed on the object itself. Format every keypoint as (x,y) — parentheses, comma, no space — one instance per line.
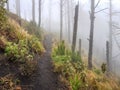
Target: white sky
(116,3)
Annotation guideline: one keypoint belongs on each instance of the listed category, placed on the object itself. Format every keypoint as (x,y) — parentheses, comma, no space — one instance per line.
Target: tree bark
(69,30)
(92,18)
(18,7)
(39,13)
(80,47)
(18,11)
(50,10)
(107,57)
(110,32)
(8,6)
(61,19)
(75,28)
(33,10)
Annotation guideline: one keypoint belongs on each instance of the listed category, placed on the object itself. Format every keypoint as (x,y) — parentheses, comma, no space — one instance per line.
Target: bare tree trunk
(107,57)
(50,9)
(75,28)
(110,32)
(80,47)
(39,13)
(68,6)
(18,7)
(33,10)
(92,18)
(61,20)
(18,10)
(8,6)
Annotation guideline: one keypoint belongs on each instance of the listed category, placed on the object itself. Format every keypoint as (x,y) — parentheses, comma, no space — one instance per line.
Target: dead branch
(97,4)
(117,27)
(101,10)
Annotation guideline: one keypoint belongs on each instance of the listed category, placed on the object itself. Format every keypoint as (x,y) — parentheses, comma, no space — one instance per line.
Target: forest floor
(46,79)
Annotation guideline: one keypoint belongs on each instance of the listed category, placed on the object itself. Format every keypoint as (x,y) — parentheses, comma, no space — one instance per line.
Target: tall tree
(33,10)
(18,8)
(107,57)
(61,20)
(8,6)
(75,28)
(40,13)
(110,31)
(68,9)
(50,10)
(92,18)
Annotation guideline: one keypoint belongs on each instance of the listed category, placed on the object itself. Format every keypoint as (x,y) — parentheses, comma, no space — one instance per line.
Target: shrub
(35,45)
(12,51)
(79,66)
(103,67)
(17,52)
(59,62)
(97,71)
(75,82)
(76,57)
(61,49)
(68,70)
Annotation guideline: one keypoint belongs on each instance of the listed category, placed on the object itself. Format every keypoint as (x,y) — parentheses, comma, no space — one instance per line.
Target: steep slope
(18,51)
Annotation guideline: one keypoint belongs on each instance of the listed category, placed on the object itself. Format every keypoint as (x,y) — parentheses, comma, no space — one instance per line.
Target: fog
(101,30)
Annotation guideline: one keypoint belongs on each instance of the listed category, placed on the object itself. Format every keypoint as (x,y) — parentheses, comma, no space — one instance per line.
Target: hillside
(18,52)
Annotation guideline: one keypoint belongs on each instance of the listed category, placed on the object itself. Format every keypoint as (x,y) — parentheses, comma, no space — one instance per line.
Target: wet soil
(46,79)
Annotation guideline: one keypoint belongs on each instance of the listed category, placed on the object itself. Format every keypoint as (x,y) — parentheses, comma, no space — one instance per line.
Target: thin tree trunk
(107,57)
(8,6)
(18,11)
(80,47)
(61,19)
(17,7)
(110,32)
(75,28)
(39,13)
(33,10)
(20,22)
(92,18)
(50,4)
(68,6)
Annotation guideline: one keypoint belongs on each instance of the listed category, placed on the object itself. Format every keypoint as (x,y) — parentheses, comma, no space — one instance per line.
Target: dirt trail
(46,79)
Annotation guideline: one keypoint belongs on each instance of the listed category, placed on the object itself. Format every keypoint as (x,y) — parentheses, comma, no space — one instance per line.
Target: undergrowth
(19,47)
(75,73)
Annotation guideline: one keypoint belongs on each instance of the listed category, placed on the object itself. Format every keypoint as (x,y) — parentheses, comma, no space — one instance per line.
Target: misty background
(101,31)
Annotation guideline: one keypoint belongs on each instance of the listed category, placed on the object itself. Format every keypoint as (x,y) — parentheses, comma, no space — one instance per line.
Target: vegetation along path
(46,78)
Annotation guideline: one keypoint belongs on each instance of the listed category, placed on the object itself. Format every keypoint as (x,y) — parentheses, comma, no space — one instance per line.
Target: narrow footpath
(46,79)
